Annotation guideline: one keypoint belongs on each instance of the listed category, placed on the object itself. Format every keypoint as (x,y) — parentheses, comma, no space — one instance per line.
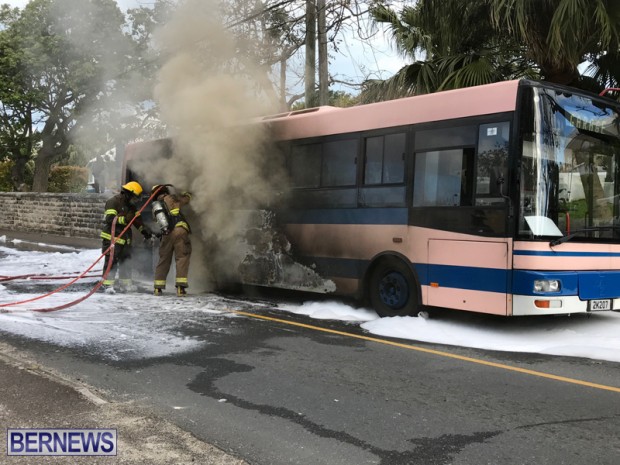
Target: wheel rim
(394,290)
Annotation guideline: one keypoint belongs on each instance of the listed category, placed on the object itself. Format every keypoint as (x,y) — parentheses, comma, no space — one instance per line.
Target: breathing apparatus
(161,214)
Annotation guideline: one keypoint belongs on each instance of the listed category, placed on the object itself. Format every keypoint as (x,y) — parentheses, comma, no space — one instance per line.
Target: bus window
(385,159)
(443,178)
(452,136)
(373,168)
(491,161)
(305,165)
(339,167)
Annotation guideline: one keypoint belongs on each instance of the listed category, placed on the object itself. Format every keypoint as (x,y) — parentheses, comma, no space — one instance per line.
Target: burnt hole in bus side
(269,261)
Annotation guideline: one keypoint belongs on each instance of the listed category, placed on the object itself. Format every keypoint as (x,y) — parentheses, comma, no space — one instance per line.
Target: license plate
(599,305)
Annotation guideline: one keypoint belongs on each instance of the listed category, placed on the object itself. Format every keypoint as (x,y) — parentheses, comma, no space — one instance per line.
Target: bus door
(469,275)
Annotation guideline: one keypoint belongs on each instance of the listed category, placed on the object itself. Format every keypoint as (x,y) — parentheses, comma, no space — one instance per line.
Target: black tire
(393,290)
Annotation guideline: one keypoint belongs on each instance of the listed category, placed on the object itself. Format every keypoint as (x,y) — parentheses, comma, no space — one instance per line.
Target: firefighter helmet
(133,187)
(163,189)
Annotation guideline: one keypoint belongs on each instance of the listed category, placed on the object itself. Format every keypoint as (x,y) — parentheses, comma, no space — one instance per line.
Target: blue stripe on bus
(565,254)
(523,282)
(460,277)
(345,216)
(599,284)
(587,284)
(464,277)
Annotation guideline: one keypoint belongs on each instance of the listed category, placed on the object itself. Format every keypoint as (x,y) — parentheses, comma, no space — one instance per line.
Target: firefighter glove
(146,232)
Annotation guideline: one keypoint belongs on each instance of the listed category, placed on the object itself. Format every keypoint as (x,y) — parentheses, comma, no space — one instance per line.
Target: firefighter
(122,206)
(174,241)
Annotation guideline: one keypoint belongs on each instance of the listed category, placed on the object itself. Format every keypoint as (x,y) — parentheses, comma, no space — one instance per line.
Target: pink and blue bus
(502,199)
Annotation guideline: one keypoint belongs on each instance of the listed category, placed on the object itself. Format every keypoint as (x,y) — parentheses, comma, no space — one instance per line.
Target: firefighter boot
(159,292)
(181,292)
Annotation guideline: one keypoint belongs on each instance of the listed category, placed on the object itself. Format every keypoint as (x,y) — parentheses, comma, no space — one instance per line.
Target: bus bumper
(560,305)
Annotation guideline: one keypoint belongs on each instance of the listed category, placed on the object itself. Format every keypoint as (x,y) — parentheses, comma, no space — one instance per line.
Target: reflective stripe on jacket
(174,207)
(119,207)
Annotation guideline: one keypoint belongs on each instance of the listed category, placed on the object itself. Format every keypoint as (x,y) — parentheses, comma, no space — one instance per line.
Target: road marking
(434,352)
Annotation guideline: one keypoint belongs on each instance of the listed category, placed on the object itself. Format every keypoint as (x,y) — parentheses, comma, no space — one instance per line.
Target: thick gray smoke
(208,97)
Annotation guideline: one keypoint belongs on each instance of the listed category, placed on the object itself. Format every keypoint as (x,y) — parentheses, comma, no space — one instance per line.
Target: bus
(501,199)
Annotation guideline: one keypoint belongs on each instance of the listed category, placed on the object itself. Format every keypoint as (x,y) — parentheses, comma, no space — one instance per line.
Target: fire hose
(109,250)
(42,277)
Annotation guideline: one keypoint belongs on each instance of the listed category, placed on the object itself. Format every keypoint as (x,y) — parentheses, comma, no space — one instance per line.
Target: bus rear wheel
(393,289)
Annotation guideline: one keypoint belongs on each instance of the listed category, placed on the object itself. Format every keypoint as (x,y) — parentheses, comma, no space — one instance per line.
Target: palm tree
(455,43)
(559,35)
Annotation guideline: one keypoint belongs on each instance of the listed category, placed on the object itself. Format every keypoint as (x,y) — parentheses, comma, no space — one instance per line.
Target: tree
(287,27)
(17,134)
(269,34)
(559,35)
(337,98)
(139,114)
(72,53)
(310,70)
(451,44)
(458,44)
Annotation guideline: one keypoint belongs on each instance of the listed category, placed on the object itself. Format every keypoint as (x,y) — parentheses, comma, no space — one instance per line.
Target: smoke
(98,48)
(208,91)
(208,97)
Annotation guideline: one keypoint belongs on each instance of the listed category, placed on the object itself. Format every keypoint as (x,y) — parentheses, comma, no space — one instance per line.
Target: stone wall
(72,215)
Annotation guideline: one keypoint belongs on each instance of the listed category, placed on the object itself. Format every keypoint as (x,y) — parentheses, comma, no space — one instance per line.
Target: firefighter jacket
(177,219)
(119,207)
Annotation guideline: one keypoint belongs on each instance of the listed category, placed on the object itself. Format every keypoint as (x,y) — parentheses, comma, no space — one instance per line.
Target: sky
(354,61)
(141,327)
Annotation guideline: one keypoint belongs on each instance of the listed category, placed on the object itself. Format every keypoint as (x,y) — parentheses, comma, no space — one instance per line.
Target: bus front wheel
(393,289)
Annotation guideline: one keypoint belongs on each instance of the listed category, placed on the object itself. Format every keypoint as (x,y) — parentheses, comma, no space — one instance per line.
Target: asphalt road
(275,388)
(273,392)
(33,396)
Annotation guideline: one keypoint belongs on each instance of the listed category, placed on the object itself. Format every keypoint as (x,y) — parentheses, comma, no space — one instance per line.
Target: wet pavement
(278,389)
(34,396)
(37,396)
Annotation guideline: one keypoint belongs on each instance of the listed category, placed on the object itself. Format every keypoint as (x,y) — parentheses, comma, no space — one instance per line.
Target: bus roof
(480,100)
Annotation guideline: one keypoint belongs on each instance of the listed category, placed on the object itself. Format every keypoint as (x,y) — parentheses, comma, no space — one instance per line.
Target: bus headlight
(547,285)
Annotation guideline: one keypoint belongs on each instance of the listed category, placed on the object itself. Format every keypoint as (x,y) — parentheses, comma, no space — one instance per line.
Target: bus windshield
(570,167)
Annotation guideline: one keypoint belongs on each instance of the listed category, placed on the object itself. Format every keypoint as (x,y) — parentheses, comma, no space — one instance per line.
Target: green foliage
(67,179)
(455,44)
(6,185)
(74,156)
(61,63)
(342,99)
(337,98)
(7,181)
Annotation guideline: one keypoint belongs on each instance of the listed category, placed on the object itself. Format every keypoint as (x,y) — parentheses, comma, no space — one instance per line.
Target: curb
(52,239)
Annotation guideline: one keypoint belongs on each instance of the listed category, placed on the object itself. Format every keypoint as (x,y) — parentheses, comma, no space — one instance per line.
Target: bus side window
(305,165)
(443,178)
(384,161)
(492,164)
(339,163)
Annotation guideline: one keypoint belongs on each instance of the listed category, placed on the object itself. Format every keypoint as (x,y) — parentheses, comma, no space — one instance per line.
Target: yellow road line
(434,352)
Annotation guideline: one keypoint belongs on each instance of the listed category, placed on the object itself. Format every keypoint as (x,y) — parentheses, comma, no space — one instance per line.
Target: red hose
(43,277)
(94,289)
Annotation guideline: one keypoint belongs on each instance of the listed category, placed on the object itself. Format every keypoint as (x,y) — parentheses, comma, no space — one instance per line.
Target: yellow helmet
(133,187)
